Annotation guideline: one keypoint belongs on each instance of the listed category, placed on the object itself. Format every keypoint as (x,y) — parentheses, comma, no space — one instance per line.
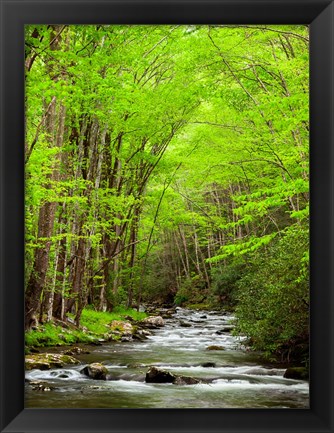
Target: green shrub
(273,298)
(180,299)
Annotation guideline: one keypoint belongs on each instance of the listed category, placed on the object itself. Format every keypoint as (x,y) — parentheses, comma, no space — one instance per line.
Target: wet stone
(208,364)
(96,371)
(214,347)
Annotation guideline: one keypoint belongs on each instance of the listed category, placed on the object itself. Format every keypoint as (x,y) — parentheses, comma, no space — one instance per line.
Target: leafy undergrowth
(50,334)
(93,326)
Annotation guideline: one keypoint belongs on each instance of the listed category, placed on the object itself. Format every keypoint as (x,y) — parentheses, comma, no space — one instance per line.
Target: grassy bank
(94,326)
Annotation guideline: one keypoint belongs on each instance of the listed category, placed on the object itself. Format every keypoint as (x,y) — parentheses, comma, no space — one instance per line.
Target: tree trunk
(46,219)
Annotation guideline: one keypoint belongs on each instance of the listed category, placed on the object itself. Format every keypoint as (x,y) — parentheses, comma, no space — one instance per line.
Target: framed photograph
(166,216)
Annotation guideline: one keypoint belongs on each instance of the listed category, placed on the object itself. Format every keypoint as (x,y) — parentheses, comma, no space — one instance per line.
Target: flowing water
(236,378)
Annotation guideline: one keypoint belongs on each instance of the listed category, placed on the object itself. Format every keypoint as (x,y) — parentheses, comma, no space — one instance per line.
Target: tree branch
(30,149)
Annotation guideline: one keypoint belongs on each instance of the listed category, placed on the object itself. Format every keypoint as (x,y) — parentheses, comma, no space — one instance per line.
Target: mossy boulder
(298,373)
(124,327)
(46,361)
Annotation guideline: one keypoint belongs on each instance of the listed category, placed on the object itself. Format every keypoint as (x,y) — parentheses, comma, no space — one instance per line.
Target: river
(240,378)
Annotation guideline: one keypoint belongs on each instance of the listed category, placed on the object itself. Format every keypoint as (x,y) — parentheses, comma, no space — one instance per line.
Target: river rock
(213,347)
(185,380)
(76,351)
(97,342)
(42,387)
(95,371)
(298,373)
(125,327)
(208,364)
(111,336)
(227,328)
(139,335)
(155,375)
(152,322)
(185,324)
(167,313)
(46,361)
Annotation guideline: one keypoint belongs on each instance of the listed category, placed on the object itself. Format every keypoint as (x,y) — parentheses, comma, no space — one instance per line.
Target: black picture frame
(14,15)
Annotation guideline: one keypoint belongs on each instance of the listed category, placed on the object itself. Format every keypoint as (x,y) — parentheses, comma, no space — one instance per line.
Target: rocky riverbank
(118,330)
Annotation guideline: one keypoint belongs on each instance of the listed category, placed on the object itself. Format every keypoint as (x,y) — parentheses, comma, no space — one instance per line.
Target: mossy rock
(46,361)
(298,373)
(125,327)
(213,347)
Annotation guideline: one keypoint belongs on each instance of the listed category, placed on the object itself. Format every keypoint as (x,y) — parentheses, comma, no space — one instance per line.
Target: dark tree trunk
(37,278)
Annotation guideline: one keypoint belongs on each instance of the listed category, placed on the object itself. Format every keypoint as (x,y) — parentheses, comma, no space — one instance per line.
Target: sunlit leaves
(193,140)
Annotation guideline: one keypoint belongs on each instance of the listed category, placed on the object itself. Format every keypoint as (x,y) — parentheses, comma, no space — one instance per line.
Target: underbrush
(53,335)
